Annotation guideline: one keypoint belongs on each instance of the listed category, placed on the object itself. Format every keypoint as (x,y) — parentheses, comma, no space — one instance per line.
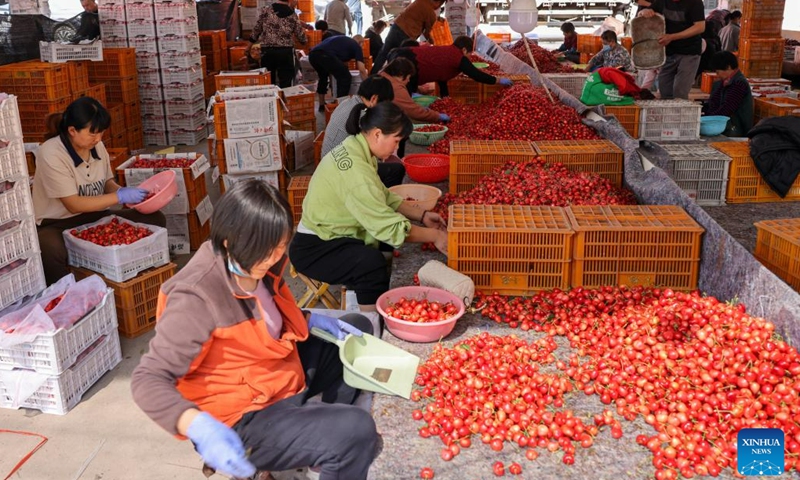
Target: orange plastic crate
(196,189)
(761,49)
(36,81)
(304,125)
(351,65)
(136,299)
(585,57)
(776,107)
(635,245)
(318,147)
(33,115)
(499,37)
(122,90)
(752,9)
(197,233)
(117,114)
(119,140)
(133,113)
(298,186)
(98,92)
(78,75)
(761,28)
(778,248)
(440,33)
(745,184)
(116,63)
(216,153)
(706,82)
(212,40)
(489,91)
(589,44)
(209,84)
(313,38)
(762,68)
(628,117)
(117,156)
(463,89)
(329,108)
(471,160)
(135,138)
(238,57)
(600,157)
(224,81)
(510,249)
(300,108)
(627,43)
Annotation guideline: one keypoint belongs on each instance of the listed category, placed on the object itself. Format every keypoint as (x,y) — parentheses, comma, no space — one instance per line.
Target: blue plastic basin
(713,125)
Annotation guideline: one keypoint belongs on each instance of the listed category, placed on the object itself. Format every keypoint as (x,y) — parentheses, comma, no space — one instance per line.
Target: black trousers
(392,173)
(51,238)
(325,65)
(393,40)
(338,437)
(280,63)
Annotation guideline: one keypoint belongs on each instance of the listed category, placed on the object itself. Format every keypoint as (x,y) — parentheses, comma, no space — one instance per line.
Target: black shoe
(321,108)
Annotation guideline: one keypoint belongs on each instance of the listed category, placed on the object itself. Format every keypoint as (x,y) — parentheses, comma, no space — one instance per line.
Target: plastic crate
(98,92)
(745,184)
(136,299)
(186,122)
(188,137)
(197,233)
(193,177)
(117,63)
(141,28)
(185,107)
(154,137)
(135,138)
(499,37)
(59,394)
(585,58)
(139,11)
(776,107)
(761,28)
(778,248)
(471,160)
(78,75)
(33,115)
(572,83)
(304,125)
(628,116)
(184,91)
(144,44)
(150,91)
(298,187)
(15,203)
(314,38)
(589,44)
(763,9)
(13,165)
(318,147)
(111,11)
(669,120)
(212,40)
(179,43)
(55,52)
(300,108)
(635,245)
(122,90)
(133,113)
(706,82)
(19,240)
(489,91)
(119,262)
(117,156)
(761,49)
(53,352)
(462,89)
(351,65)
(35,81)
(113,28)
(10,126)
(761,68)
(25,277)
(175,10)
(176,26)
(149,75)
(600,157)
(700,171)
(510,249)
(223,80)
(188,75)
(180,59)
(440,33)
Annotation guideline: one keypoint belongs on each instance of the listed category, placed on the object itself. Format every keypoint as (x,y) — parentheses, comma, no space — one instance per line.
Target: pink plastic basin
(419,332)
(163,187)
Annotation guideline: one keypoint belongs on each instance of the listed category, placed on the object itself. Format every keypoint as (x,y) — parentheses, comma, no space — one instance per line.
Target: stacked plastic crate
(213,46)
(760,43)
(41,89)
(118,73)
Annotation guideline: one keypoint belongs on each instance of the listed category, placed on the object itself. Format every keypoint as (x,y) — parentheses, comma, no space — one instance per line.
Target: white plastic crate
(186,122)
(113,28)
(120,262)
(19,241)
(15,202)
(669,120)
(12,160)
(149,75)
(177,26)
(154,122)
(20,279)
(150,91)
(111,11)
(700,171)
(185,107)
(10,126)
(59,394)
(187,137)
(182,75)
(140,11)
(572,83)
(147,60)
(181,59)
(151,107)
(179,43)
(183,90)
(115,42)
(141,28)
(144,44)
(55,52)
(54,352)
(155,137)
(133,2)
(176,10)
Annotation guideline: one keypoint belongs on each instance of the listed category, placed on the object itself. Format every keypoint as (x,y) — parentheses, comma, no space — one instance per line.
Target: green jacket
(346,198)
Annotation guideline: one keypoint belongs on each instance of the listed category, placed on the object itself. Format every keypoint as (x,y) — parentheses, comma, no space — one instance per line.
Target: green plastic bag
(595,92)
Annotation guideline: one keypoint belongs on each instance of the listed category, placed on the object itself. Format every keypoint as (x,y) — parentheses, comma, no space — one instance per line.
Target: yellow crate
(471,160)
(600,157)
(745,184)
(778,248)
(298,187)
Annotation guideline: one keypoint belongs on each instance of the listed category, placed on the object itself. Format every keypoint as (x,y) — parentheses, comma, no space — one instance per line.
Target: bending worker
(417,19)
(330,57)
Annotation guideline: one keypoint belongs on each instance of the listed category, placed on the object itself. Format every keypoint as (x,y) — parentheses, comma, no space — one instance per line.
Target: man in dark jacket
(90,22)
(731,95)
(775,148)
(374,36)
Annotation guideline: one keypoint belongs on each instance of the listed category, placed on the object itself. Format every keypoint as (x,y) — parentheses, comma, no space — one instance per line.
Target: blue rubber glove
(220,447)
(131,195)
(334,326)
(443,117)
(506,82)
(415,95)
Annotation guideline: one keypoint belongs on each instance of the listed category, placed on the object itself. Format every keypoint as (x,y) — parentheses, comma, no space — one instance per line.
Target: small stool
(316,292)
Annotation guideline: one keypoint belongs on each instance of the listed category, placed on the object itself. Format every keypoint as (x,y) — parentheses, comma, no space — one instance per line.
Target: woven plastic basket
(427,138)
(427,167)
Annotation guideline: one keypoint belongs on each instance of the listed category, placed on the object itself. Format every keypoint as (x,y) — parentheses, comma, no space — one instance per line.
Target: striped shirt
(335,132)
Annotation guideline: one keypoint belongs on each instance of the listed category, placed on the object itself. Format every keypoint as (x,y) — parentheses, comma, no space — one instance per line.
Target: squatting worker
(371,91)
(330,57)
(685,22)
(349,215)
(443,63)
(417,19)
(275,32)
(731,95)
(74,184)
(613,55)
(232,364)
(569,49)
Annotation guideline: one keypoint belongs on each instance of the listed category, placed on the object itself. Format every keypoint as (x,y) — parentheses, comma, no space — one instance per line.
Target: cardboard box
(270,177)
(303,147)
(253,154)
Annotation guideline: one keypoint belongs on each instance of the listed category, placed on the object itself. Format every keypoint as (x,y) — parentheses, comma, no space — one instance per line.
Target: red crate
(122,90)
(298,187)
(116,63)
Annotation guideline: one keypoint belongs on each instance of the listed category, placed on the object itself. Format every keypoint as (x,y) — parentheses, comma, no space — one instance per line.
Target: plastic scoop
(374,365)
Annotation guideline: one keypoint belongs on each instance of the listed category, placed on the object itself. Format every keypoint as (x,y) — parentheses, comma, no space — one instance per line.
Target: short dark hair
(567,27)
(386,116)
(409,42)
(723,60)
(327,34)
(400,67)
(609,36)
(735,14)
(463,41)
(85,112)
(376,85)
(378,24)
(249,222)
(320,25)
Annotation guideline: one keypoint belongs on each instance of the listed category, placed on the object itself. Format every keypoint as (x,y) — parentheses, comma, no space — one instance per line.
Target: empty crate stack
(700,171)
(669,120)
(118,73)
(213,46)
(760,44)
(778,248)
(41,89)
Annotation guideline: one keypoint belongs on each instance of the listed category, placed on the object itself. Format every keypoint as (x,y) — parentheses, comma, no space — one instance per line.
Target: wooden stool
(316,292)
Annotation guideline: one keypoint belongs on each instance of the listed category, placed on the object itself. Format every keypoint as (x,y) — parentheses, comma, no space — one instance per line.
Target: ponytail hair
(85,112)
(386,116)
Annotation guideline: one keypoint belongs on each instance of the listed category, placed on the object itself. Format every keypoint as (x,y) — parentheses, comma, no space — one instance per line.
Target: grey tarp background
(727,270)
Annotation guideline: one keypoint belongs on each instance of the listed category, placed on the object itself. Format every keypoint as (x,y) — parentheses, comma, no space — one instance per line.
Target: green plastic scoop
(374,365)
(480,64)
